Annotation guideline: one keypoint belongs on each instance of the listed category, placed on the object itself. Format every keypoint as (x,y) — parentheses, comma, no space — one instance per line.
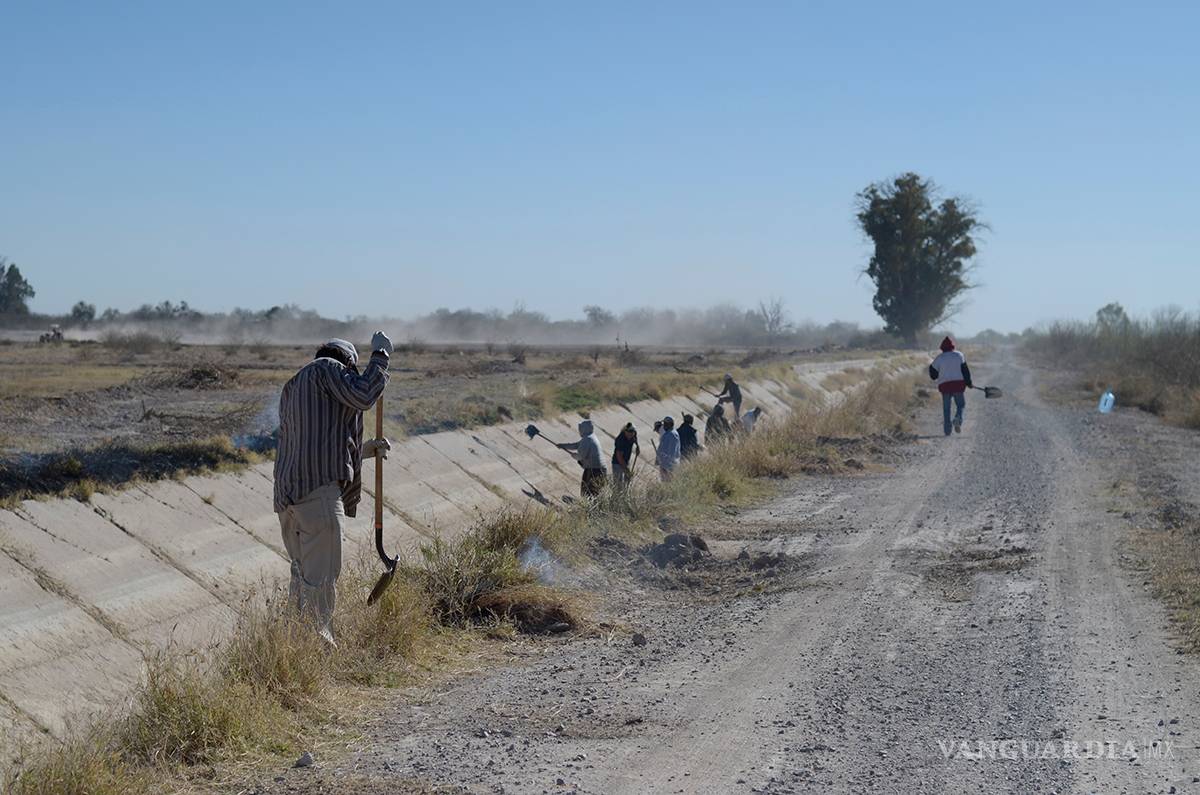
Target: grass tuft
(187,714)
(85,764)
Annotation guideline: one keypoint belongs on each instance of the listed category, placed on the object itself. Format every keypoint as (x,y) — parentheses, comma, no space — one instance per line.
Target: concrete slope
(56,659)
(139,597)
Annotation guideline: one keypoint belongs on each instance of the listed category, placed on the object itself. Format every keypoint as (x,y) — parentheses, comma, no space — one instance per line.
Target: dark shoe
(958,426)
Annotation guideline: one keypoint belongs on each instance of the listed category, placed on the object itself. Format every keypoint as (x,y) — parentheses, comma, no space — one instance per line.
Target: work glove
(380,342)
(371,446)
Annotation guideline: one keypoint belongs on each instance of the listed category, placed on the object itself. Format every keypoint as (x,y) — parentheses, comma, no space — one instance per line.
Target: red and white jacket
(950,370)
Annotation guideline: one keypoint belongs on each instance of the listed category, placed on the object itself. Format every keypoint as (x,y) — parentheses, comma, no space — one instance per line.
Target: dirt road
(962,623)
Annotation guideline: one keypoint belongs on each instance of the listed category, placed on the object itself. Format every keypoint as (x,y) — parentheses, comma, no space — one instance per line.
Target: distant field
(76,394)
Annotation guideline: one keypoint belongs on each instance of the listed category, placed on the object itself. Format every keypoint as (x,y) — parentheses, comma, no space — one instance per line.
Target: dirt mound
(677,549)
(207,375)
(765,560)
(201,375)
(1176,514)
(531,609)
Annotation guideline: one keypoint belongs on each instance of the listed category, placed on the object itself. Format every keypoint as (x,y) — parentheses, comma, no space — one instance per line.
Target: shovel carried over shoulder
(389,564)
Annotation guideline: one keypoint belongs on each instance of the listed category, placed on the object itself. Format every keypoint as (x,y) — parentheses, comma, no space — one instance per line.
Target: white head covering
(345,347)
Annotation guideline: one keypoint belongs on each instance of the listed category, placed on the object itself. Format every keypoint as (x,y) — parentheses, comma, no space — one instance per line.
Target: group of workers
(318,466)
(675,444)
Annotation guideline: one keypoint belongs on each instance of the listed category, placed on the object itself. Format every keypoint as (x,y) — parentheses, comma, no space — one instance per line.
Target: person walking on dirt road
(732,393)
(590,456)
(953,378)
(689,444)
(318,467)
(623,455)
(668,449)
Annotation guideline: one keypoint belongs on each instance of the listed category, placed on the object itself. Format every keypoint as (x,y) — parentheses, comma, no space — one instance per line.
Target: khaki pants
(621,476)
(312,535)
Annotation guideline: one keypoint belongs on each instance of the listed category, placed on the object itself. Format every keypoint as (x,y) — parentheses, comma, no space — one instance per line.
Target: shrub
(131,343)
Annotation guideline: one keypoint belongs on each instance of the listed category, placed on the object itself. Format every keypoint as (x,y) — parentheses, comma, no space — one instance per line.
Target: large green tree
(15,292)
(923,247)
(83,313)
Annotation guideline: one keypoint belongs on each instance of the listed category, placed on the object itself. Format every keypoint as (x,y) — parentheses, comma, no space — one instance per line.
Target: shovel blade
(532,431)
(382,584)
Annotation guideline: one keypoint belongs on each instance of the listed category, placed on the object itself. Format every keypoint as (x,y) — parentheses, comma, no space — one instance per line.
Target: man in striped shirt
(318,467)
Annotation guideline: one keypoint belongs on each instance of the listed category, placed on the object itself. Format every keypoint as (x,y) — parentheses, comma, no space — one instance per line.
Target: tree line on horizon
(923,245)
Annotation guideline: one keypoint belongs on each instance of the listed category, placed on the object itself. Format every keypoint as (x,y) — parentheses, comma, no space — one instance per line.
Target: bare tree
(773,313)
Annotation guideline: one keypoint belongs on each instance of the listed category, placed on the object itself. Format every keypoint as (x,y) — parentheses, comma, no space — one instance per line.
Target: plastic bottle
(1106,401)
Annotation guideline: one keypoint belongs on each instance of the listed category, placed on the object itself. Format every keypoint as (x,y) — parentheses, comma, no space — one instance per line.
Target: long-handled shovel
(389,564)
(532,431)
(989,391)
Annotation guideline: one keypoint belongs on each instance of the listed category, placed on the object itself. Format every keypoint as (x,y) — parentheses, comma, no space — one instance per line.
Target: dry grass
(1152,365)
(80,473)
(843,379)
(465,578)
(139,342)
(185,713)
(1172,554)
(21,380)
(82,765)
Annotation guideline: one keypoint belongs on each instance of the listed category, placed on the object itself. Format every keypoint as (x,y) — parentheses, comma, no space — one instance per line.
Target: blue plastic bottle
(1106,401)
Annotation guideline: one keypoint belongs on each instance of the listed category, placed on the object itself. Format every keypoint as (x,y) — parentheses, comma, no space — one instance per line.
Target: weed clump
(80,473)
(465,577)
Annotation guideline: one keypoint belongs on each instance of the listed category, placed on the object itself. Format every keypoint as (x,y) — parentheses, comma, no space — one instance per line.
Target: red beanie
(947,344)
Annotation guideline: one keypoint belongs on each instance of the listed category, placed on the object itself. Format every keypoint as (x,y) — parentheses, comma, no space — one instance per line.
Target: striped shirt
(321,429)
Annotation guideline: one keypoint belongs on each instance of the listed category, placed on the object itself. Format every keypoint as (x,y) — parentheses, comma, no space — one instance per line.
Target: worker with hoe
(590,456)
(717,428)
(624,447)
(318,467)
(750,418)
(668,449)
(953,378)
(732,393)
(689,444)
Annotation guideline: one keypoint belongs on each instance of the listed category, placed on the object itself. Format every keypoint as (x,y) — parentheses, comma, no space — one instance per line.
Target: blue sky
(392,158)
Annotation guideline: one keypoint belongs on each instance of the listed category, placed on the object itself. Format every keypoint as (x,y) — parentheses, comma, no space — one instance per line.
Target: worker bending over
(590,456)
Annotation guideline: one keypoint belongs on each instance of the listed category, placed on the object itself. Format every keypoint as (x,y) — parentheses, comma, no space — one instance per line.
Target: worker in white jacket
(953,378)
(668,449)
